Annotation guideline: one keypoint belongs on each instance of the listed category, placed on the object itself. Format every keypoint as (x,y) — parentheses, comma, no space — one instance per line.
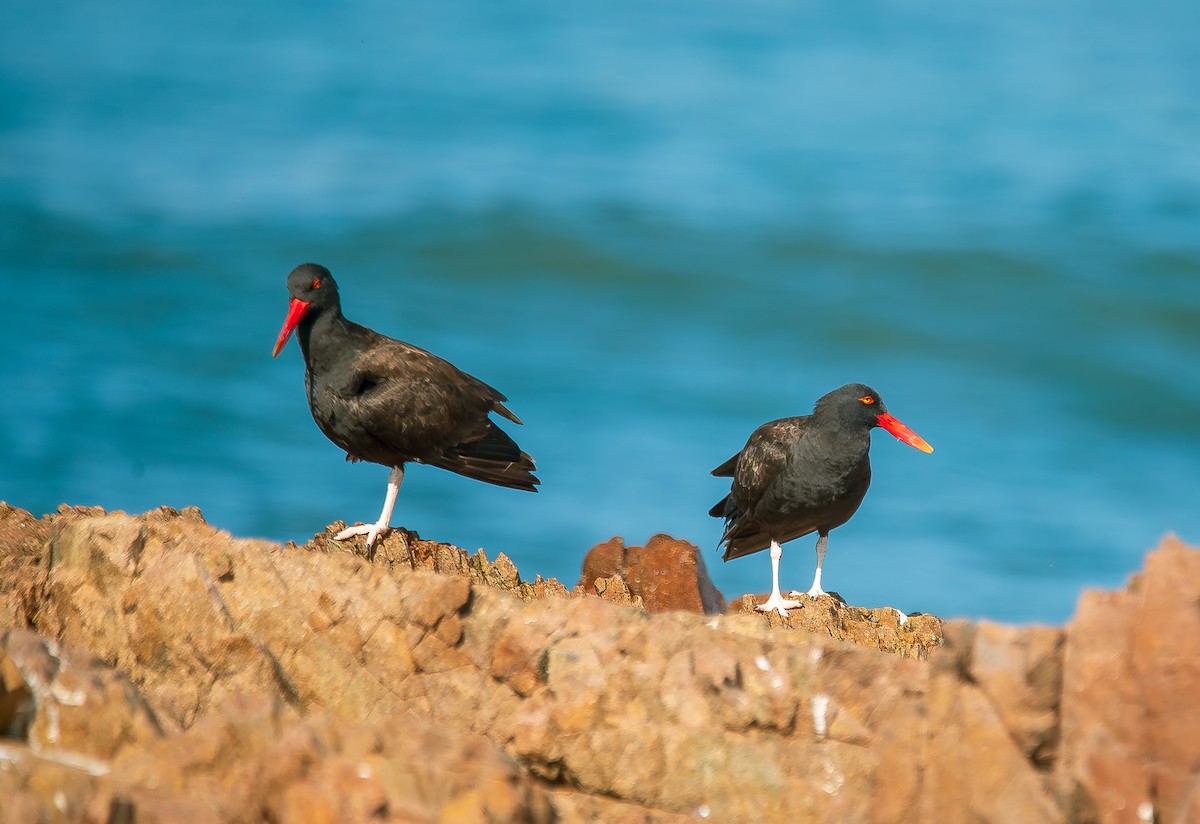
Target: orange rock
(432,685)
(23,539)
(879,628)
(1131,692)
(667,574)
(59,698)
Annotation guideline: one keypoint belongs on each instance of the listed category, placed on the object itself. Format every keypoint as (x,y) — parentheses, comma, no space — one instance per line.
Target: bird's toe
(372,531)
(376,531)
(350,532)
(778,604)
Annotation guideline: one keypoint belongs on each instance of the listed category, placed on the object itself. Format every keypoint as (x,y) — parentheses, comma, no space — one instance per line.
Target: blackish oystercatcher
(801,475)
(389,402)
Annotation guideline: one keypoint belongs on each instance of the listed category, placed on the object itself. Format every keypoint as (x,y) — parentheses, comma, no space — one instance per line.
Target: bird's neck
(320,335)
(846,446)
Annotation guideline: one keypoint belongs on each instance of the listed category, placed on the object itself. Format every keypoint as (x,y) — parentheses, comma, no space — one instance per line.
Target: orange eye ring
(316,284)
(867,399)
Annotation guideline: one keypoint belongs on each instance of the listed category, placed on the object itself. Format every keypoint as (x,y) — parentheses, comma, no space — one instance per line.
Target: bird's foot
(372,531)
(813,593)
(778,603)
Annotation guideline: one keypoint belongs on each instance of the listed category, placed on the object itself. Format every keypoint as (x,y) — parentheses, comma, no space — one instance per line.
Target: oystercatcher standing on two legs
(391,403)
(801,475)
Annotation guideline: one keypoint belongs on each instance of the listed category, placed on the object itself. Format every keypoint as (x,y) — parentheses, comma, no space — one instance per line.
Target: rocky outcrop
(1130,712)
(404,550)
(884,628)
(667,574)
(157,669)
(94,751)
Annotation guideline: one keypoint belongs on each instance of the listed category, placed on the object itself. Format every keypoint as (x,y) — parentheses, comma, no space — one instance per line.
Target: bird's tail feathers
(727,469)
(495,458)
(501,409)
(742,535)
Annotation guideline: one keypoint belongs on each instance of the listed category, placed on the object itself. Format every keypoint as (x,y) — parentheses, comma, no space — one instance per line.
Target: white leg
(815,590)
(384,524)
(776,602)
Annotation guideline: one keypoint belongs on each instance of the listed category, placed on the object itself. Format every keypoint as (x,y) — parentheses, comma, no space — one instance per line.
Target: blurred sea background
(654,226)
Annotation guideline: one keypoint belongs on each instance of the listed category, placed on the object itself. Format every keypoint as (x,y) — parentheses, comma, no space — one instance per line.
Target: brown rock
(916,637)
(978,770)
(1019,670)
(404,549)
(519,654)
(667,574)
(23,539)
(313,684)
(603,561)
(257,754)
(615,589)
(572,805)
(45,786)
(1131,692)
(64,700)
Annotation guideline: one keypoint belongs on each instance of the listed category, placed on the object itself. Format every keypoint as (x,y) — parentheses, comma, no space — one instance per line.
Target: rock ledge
(153,668)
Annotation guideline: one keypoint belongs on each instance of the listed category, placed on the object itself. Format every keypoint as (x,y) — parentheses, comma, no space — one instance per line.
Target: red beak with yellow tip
(296,310)
(903,433)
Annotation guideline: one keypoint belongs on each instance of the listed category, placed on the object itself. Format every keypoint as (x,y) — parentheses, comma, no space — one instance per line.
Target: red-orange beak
(903,432)
(296,310)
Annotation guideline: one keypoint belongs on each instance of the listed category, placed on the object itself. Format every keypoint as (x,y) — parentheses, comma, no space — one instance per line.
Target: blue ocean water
(653,226)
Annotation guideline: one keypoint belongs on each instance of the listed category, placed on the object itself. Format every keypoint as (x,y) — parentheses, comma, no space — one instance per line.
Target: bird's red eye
(867,399)
(316,284)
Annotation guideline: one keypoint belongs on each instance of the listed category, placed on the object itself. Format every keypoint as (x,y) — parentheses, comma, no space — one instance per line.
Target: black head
(854,404)
(313,291)
(858,405)
(313,284)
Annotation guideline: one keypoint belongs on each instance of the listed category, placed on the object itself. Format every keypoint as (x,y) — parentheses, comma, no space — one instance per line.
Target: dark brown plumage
(801,475)
(389,402)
